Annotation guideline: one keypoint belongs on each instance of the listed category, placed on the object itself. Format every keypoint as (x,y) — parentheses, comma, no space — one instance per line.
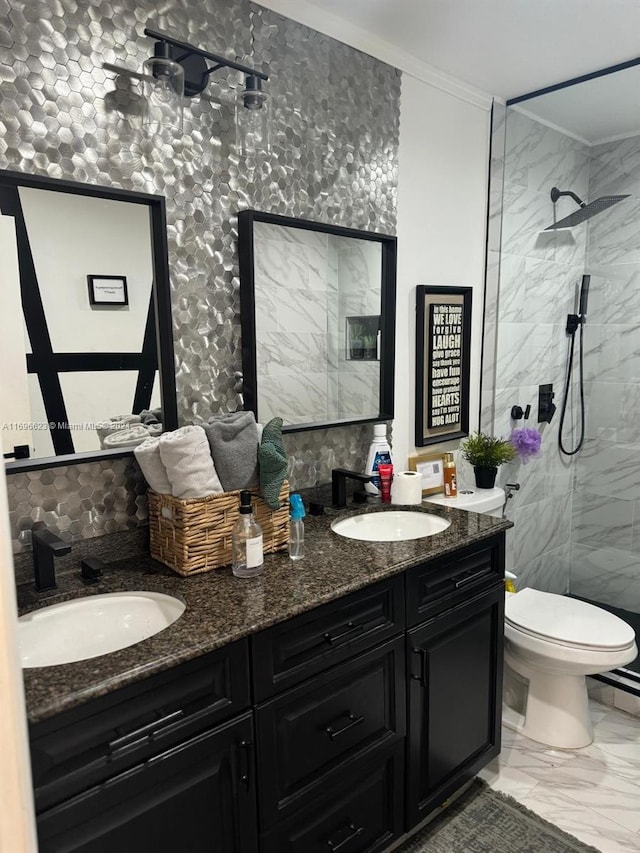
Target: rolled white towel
(129,437)
(152,466)
(187,458)
(118,423)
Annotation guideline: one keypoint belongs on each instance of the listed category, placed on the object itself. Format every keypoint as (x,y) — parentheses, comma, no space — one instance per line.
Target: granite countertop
(221,608)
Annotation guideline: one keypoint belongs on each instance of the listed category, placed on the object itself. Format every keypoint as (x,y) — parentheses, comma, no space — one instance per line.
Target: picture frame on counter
(443,341)
(431,468)
(108,290)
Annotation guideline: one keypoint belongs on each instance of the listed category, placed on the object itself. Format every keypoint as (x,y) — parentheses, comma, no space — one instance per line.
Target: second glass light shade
(253,118)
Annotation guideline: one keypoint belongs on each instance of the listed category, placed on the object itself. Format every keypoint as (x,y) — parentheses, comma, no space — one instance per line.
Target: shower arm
(556,194)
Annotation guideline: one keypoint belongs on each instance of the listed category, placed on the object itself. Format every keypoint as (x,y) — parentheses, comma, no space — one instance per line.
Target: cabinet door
(197,797)
(454,664)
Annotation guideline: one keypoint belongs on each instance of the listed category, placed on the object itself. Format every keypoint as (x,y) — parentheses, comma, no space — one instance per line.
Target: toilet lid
(559,619)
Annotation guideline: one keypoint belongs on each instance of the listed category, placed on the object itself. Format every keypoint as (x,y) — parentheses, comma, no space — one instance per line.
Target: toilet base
(556,712)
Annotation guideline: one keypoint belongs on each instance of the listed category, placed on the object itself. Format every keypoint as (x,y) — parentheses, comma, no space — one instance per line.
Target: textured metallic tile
(335,134)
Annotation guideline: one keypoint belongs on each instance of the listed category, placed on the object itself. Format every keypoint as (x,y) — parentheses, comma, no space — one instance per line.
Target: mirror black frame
(246,219)
(161,298)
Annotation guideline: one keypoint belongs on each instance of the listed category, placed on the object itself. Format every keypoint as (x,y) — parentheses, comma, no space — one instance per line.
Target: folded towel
(129,437)
(153,429)
(233,439)
(151,465)
(118,423)
(186,456)
(272,463)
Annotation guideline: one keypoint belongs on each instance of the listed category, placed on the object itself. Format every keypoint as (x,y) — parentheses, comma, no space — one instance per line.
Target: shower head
(585,212)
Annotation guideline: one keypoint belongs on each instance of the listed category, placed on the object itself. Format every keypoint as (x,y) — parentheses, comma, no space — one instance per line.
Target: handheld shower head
(585,212)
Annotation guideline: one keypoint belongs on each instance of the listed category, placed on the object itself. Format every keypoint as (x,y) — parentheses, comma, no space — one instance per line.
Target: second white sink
(392,526)
(96,625)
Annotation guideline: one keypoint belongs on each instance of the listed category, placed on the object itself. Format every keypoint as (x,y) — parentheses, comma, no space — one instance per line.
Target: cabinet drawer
(443,583)
(196,797)
(289,652)
(363,813)
(86,745)
(309,735)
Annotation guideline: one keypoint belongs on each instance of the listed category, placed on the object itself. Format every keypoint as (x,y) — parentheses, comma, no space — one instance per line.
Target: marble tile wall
(334,159)
(307,284)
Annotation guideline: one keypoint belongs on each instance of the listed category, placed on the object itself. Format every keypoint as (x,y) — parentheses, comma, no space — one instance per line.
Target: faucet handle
(91,569)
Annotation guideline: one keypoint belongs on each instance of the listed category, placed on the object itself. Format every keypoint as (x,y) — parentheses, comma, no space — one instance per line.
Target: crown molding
(355,36)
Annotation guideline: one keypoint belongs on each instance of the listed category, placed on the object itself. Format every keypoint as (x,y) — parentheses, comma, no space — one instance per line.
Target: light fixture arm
(187,51)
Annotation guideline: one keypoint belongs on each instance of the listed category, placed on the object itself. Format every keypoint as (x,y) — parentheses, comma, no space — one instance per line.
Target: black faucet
(46,547)
(339,477)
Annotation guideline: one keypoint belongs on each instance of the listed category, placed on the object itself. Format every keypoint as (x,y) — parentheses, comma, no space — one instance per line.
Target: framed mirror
(85,310)
(318,321)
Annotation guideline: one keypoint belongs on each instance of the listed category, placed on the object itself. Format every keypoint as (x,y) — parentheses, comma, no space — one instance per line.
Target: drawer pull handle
(353,721)
(354,832)
(346,633)
(145,733)
(471,578)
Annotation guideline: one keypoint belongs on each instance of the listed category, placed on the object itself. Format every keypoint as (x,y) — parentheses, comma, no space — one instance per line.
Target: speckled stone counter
(221,608)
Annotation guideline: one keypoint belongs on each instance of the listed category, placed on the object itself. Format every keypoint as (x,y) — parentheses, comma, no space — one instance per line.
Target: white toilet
(551,643)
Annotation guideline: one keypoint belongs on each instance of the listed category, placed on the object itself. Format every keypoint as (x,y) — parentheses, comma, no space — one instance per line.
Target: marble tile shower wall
(605,558)
(538,274)
(335,160)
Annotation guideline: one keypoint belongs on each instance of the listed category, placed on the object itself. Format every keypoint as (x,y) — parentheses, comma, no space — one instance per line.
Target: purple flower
(526,442)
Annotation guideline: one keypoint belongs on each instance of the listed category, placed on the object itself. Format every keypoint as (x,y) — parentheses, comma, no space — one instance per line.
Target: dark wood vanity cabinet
(360,717)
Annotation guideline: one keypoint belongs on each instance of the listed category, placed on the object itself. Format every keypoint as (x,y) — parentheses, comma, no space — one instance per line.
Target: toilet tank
(488,501)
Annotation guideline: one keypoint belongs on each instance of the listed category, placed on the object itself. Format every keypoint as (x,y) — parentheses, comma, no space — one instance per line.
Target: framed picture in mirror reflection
(110,290)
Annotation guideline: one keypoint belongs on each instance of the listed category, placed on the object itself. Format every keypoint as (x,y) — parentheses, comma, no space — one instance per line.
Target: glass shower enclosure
(569,156)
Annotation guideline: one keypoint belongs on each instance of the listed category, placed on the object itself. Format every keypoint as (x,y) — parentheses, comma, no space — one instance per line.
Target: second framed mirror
(318,321)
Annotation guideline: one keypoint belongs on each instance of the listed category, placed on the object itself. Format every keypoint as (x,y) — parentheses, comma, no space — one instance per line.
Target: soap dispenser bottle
(379,453)
(296,527)
(246,541)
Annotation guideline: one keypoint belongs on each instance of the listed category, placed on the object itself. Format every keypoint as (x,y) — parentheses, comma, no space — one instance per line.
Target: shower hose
(566,394)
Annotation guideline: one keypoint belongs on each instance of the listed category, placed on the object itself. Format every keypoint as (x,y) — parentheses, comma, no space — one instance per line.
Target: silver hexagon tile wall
(335,124)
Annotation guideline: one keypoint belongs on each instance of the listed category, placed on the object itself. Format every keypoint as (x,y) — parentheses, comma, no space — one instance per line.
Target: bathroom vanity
(327,705)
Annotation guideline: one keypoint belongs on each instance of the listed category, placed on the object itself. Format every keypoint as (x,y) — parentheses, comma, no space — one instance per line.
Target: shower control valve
(573,323)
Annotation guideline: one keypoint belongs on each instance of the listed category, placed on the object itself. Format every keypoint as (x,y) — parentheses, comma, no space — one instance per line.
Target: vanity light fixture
(178,70)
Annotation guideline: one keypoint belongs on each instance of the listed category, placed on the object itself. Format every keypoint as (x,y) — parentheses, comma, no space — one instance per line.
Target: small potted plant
(486,453)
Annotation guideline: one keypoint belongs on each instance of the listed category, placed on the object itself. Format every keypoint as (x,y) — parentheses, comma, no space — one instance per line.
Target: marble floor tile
(592,793)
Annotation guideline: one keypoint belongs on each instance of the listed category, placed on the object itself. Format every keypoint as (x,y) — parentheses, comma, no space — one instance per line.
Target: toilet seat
(567,622)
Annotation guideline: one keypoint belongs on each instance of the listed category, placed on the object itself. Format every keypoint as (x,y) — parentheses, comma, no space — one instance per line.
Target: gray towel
(233,439)
(152,466)
(186,456)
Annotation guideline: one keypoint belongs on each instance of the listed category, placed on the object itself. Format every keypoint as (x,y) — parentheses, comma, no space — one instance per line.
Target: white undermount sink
(96,625)
(392,526)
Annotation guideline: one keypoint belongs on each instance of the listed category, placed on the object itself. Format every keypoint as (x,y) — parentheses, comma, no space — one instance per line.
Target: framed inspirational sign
(443,336)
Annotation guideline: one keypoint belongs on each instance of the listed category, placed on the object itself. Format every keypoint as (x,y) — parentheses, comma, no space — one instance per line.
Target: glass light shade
(253,118)
(164,93)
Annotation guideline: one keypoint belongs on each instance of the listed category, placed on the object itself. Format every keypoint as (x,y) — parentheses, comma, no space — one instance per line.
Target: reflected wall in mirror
(80,373)
(318,318)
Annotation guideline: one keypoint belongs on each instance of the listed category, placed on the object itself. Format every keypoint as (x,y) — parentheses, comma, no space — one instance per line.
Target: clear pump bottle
(246,541)
(296,528)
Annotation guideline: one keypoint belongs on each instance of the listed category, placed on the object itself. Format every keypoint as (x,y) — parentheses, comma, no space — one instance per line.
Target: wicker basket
(194,535)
